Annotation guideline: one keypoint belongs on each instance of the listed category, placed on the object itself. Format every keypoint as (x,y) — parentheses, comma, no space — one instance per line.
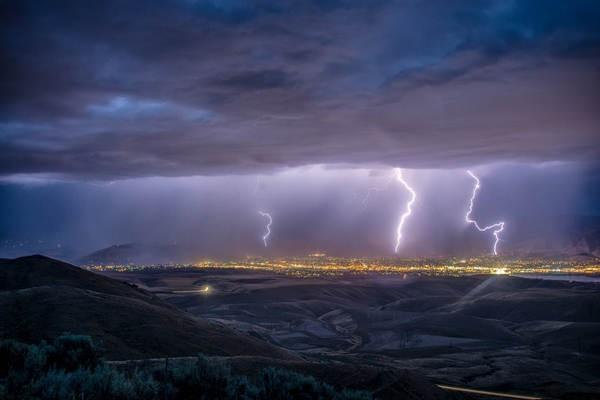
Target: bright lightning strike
(496,228)
(267,227)
(409,205)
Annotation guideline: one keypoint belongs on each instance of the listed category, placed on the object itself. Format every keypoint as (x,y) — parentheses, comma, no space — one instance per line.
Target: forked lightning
(496,228)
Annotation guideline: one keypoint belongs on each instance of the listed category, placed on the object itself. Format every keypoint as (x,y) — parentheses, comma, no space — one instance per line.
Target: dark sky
(118,118)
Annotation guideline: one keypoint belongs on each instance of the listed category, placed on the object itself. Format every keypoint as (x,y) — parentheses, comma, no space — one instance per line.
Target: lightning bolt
(374,189)
(409,205)
(496,228)
(369,191)
(267,227)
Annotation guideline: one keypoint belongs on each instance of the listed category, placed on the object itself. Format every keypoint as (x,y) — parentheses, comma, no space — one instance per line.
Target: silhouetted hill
(135,253)
(567,235)
(42,298)
(37,270)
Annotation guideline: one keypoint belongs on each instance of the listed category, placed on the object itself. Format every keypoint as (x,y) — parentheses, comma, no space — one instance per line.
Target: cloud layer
(120,89)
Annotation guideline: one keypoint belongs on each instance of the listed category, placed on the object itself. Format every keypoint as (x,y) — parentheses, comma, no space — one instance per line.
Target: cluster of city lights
(319,265)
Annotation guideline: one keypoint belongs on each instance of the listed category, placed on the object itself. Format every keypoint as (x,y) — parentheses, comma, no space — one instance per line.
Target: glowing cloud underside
(496,228)
(267,227)
(409,205)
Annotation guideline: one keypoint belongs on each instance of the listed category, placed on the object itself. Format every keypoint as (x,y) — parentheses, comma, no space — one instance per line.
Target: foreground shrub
(280,384)
(70,352)
(103,382)
(12,356)
(206,380)
(71,368)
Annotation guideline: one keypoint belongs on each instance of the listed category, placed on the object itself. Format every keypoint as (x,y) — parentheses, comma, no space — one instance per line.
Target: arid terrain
(396,336)
(517,335)
(44,300)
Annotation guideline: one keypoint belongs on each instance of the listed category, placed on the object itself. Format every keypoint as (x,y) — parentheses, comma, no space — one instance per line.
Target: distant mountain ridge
(134,253)
(566,236)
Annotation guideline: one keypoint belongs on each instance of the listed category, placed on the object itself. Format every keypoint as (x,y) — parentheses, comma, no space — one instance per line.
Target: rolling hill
(41,298)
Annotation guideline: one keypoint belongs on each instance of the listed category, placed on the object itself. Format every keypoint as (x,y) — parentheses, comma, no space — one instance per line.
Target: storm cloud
(119,89)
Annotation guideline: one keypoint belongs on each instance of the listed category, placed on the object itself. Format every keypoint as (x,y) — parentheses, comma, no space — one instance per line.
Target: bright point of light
(205,289)
(409,205)
(501,271)
(267,227)
(496,228)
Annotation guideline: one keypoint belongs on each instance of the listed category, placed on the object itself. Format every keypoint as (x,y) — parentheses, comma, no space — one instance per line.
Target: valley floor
(531,336)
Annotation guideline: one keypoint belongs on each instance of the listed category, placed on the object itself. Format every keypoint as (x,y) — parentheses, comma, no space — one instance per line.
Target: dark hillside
(42,298)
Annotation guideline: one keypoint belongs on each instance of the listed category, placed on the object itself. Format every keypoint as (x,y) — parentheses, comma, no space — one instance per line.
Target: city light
(310,266)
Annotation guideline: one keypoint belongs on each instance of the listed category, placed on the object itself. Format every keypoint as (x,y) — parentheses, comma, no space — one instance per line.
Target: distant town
(320,265)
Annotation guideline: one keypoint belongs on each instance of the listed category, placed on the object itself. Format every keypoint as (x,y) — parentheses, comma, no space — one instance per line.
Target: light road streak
(408,212)
(267,227)
(488,393)
(496,228)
